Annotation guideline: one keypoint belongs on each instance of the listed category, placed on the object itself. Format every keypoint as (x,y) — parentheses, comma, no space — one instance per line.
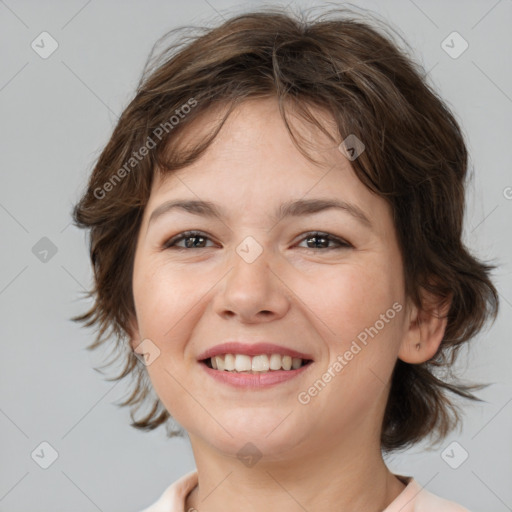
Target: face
(319,282)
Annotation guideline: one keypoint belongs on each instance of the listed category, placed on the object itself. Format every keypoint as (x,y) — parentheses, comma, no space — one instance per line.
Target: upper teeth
(260,363)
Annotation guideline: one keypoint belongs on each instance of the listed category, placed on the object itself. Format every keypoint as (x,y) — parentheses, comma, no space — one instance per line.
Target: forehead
(253,162)
(256,124)
(254,136)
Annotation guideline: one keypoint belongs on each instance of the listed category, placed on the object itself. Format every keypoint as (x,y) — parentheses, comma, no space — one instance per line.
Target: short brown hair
(415,158)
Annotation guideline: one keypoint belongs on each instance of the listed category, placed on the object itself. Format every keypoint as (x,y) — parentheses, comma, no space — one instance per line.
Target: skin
(312,297)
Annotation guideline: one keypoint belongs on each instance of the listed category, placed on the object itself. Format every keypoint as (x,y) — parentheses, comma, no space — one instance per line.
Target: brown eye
(323,240)
(193,240)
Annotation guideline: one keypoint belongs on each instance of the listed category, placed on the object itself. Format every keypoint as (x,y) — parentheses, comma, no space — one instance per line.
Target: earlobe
(425,331)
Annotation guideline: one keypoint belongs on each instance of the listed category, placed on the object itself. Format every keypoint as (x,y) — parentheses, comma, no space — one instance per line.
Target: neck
(346,477)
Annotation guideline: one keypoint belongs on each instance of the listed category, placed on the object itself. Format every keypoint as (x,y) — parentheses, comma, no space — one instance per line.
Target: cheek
(161,297)
(169,302)
(359,317)
(167,305)
(346,299)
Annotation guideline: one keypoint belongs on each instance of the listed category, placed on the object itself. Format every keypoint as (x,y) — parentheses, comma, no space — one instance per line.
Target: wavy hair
(415,158)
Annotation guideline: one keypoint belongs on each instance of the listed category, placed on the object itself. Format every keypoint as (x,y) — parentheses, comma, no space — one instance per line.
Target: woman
(276,234)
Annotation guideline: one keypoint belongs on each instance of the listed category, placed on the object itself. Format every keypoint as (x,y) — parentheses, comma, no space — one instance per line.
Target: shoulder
(428,502)
(173,498)
(414,498)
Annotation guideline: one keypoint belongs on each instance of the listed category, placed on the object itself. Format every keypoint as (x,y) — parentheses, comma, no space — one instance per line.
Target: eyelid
(183,235)
(341,242)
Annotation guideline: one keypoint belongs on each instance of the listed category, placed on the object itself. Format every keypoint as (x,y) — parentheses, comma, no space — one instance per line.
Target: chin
(269,433)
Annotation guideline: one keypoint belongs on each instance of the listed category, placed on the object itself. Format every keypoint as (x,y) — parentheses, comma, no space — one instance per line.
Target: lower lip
(254,380)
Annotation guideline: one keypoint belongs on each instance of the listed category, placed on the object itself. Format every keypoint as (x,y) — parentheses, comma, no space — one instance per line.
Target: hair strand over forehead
(415,158)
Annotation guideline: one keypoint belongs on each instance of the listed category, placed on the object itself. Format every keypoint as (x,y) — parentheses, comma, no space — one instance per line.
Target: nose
(252,292)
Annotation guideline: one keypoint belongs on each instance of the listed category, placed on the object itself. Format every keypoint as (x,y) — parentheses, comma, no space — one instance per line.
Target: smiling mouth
(263,363)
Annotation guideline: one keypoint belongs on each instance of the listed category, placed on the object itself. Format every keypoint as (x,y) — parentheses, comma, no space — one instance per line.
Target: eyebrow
(300,207)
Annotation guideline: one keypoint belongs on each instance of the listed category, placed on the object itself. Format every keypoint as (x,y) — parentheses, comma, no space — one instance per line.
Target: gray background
(56,115)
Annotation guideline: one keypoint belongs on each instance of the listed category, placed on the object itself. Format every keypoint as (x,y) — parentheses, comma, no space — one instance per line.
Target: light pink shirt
(412,499)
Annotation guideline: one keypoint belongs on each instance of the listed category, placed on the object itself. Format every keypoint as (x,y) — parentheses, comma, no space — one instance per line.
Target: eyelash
(171,243)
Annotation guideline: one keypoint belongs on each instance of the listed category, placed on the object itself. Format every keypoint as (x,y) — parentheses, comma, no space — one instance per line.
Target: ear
(426,328)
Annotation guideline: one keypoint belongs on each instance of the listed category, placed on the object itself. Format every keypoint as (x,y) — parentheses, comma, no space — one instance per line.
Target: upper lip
(253,349)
